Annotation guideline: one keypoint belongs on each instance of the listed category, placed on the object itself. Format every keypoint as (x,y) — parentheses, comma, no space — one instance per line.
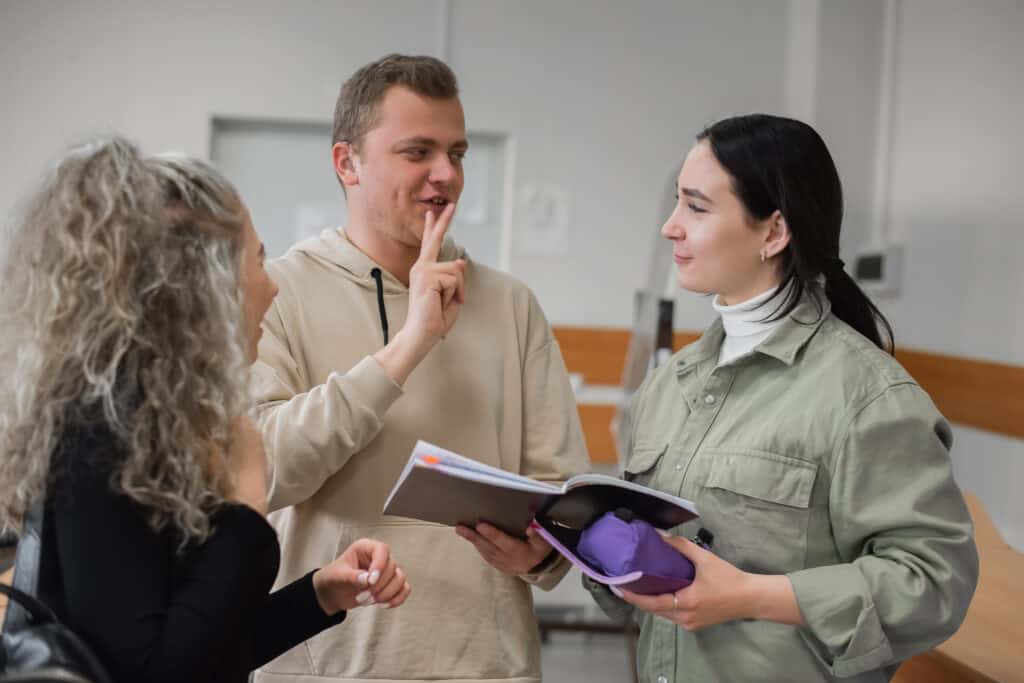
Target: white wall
(846,104)
(158,71)
(956,196)
(604,99)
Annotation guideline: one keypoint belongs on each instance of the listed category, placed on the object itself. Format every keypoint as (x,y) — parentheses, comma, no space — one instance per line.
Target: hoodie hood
(332,248)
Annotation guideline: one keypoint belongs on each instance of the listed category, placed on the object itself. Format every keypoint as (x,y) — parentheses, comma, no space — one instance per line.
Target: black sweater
(152,613)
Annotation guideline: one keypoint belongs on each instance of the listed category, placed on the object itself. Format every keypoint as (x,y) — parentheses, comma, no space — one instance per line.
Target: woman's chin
(692,284)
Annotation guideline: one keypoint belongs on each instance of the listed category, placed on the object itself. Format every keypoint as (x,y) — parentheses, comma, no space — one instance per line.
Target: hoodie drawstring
(380,303)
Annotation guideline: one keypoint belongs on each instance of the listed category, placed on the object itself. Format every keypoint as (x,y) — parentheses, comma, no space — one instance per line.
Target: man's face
(410,163)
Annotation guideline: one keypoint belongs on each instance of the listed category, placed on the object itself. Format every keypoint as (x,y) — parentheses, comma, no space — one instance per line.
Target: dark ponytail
(783,164)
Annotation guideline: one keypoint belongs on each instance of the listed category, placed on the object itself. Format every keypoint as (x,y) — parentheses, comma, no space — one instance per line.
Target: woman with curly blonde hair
(131,303)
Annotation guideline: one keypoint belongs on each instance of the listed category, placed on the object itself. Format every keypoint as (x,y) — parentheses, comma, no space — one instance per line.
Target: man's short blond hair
(357,109)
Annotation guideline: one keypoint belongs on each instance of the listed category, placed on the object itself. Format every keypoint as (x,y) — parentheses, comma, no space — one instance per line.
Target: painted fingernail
(364,598)
(384,605)
(374,576)
(364,577)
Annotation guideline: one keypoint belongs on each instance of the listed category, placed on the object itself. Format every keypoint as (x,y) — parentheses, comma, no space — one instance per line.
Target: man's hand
(436,295)
(365,574)
(506,553)
(436,289)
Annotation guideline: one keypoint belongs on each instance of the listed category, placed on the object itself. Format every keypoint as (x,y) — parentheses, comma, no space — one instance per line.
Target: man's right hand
(436,295)
(436,289)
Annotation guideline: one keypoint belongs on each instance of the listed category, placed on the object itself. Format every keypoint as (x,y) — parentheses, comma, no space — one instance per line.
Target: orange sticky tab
(430,459)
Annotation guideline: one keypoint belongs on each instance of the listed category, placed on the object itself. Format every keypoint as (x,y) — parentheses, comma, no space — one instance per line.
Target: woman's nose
(673,228)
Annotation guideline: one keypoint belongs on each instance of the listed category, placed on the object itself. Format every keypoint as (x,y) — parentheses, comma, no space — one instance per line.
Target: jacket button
(709,399)
(662,679)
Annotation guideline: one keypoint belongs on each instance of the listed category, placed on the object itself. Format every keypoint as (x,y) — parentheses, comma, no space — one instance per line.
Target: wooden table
(989,647)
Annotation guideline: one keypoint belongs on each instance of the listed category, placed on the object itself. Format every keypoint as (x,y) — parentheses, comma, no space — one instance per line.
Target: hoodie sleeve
(310,434)
(553,445)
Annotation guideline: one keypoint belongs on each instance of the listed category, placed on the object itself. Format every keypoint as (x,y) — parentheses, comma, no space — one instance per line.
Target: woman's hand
(365,574)
(719,593)
(249,462)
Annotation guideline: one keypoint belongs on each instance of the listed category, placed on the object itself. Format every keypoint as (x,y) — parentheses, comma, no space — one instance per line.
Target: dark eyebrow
(696,194)
(430,142)
(422,141)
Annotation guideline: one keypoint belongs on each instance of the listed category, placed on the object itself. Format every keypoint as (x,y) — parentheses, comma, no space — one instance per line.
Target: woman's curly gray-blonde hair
(120,303)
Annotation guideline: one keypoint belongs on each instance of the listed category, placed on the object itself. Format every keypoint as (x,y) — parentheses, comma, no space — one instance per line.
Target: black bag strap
(26,572)
(37,612)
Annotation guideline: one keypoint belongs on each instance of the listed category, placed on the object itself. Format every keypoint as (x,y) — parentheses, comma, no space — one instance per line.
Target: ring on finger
(675,601)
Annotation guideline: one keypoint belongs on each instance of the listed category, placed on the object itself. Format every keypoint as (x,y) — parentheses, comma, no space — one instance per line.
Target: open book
(444,487)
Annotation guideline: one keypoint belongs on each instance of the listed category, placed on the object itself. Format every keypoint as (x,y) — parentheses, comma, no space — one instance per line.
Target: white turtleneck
(744,325)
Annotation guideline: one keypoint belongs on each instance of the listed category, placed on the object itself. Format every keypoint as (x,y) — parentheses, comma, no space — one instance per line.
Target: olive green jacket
(817,456)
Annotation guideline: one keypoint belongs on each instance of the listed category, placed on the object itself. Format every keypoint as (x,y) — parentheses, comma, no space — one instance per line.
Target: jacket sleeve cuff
(371,384)
(548,573)
(843,628)
(616,608)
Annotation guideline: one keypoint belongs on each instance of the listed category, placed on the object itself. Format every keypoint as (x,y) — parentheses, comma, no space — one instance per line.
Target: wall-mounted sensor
(879,271)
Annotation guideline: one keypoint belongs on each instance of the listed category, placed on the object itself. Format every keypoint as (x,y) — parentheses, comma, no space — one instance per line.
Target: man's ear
(777,238)
(343,155)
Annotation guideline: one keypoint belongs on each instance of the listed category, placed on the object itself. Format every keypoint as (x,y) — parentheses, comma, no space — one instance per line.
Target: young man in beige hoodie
(343,397)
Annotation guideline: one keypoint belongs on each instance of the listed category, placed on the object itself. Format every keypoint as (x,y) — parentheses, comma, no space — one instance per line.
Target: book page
(460,466)
(605,480)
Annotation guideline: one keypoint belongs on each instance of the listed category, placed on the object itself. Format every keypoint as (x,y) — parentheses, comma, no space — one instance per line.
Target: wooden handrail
(971,392)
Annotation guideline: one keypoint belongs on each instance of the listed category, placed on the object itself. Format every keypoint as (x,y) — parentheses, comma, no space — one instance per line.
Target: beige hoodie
(338,432)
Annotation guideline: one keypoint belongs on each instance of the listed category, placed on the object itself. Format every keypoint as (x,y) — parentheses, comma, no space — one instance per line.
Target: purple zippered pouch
(625,554)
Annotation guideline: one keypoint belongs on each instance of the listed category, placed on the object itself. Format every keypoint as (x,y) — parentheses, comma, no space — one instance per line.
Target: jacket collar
(784,344)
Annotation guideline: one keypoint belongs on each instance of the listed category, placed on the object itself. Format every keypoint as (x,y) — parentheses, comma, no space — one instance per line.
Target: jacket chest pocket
(759,504)
(642,465)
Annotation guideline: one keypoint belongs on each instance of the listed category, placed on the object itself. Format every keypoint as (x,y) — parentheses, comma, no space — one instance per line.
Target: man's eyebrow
(417,140)
(423,141)
(696,194)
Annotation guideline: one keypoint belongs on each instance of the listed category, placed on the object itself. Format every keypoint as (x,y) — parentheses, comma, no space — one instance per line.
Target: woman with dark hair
(132,299)
(842,545)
